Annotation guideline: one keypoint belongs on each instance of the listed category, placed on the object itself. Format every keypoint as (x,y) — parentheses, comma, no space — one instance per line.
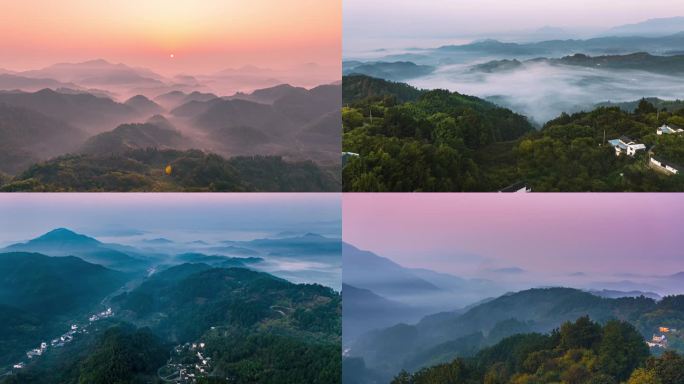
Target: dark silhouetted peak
(64,235)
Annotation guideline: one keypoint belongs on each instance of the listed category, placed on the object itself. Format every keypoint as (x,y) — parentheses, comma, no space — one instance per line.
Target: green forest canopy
(416,140)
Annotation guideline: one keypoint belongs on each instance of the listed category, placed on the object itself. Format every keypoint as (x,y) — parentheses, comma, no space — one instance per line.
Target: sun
(172,56)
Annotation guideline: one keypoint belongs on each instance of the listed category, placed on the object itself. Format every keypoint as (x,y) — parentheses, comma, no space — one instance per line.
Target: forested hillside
(579,352)
(171,170)
(440,338)
(404,139)
(428,144)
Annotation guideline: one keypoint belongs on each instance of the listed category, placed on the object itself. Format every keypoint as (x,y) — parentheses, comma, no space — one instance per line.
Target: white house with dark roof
(665,166)
(669,129)
(626,145)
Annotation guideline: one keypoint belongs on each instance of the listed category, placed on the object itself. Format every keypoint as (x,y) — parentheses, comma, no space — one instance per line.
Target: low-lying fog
(542,91)
(318,266)
(296,236)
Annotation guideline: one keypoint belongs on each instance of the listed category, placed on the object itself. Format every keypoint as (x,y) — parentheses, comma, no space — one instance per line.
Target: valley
(103,110)
(391,336)
(524,111)
(176,294)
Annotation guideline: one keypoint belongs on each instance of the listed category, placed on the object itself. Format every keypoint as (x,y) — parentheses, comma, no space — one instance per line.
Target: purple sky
(186,216)
(374,24)
(381,18)
(466,234)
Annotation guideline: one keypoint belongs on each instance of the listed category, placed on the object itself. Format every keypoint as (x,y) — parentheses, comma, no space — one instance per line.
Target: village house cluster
(187,373)
(630,147)
(659,340)
(64,339)
(101,315)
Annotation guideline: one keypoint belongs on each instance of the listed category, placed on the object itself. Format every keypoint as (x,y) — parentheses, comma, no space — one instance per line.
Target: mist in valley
(272,234)
(543,91)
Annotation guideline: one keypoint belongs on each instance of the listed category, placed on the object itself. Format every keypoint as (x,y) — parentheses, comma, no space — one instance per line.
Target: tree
(642,376)
(622,350)
(645,107)
(669,367)
(351,118)
(583,333)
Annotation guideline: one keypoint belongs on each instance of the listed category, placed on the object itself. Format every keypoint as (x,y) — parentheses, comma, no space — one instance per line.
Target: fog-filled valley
(542,112)
(457,285)
(543,78)
(97,110)
(437,317)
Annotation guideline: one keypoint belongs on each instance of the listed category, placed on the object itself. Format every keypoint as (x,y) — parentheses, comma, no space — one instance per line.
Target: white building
(626,145)
(664,165)
(669,129)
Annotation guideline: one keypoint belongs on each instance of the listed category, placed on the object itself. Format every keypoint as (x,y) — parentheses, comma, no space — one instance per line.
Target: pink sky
(432,18)
(541,233)
(204,36)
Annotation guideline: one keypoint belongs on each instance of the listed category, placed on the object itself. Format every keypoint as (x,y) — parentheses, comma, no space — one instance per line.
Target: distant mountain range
(111,108)
(666,65)
(90,113)
(408,294)
(600,45)
(395,71)
(30,84)
(300,123)
(651,27)
(670,44)
(98,73)
(64,242)
(364,310)
(630,106)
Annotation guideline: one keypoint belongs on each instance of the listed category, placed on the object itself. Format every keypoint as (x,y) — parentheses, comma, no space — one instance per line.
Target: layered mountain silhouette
(27,137)
(364,310)
(158,132)
(175,99)
(641,61)
(104,110)
(90,113)
(30,84)
(98,73)
(414,292)
(442,337)
(144,105)
(310,244)
(295,122)
(652,27)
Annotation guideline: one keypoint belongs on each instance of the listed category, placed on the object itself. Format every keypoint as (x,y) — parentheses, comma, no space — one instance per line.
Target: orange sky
(203,35)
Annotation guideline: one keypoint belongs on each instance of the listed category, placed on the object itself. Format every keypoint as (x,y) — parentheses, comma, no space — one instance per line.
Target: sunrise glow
(201,36)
